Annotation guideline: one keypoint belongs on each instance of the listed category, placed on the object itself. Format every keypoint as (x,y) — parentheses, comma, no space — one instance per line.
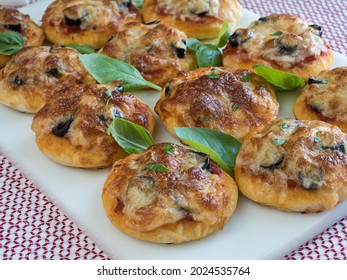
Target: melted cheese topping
(328,97)
(190,9)
(281,39)
(290,153)
(226,103)
(156,50)
(193,188)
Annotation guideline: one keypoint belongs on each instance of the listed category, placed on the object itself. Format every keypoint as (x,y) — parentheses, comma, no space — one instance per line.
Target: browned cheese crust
(295,166)
(71,128)
(13,20)
(156,50)
(225,99)
(191,200)
(325,98)
(33,75)
(201,19)
(281,41)
(87,22)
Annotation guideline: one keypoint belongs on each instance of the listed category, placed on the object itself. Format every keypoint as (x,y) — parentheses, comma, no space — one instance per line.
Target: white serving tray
(253,232)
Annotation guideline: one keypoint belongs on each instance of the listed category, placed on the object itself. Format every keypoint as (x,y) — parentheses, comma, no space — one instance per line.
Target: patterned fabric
(32,227)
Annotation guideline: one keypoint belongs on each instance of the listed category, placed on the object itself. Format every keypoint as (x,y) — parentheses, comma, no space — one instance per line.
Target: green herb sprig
(222,147)
(281,80)
(106,69)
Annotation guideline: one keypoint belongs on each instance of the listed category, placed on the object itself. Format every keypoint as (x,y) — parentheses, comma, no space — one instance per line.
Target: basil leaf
(223,36)
(106,69)
(193,44)
(82,49)
(281,80)
(222,147)
(131,137)
(10,42)
(208,55)
(158,167)
(168,148)
(138,3)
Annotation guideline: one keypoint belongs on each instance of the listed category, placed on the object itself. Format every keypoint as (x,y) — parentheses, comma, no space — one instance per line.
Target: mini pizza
(156,50)
(225,99)
(201,19)
(89,22)
(294,166)
(33,74)
(324,98)
(13,20)
(281,41)
(71,128)
(168,194)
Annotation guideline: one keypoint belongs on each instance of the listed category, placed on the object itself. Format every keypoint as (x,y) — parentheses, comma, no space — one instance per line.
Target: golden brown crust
(88,22)
(199,19)
(280,41)
(325,98)
(156,50)
(297,166)
(13,20)
(192,199)
(71,127)
(35,73)
(228,102)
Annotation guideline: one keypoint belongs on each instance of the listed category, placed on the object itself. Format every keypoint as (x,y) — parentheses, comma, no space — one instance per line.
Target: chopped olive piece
(120,89)
(53,72)
(318,28)
(126,3)
(286,49)
(206,164)
(263,19)
(13,27)
(62,127)
(338,147)
(102,118)
(18,81)
(312,80)
(72,22)
(152,22)
(239,37)
(275,164)
(180,52)
(315,108)
(167,91)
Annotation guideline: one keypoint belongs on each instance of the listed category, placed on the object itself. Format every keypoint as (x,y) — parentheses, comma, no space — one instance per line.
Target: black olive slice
(72,22)
(53,72)
(318,28)
(315,108)
(13,27)
(274,165)
(199,14)
(180,52)
(239,37)
(120,89)
(167,91)
(18,81)
(263,19)
(102,118)
(339,147)
(152,22)
(62,127)
(284,49)
(206,164)
(313,80)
